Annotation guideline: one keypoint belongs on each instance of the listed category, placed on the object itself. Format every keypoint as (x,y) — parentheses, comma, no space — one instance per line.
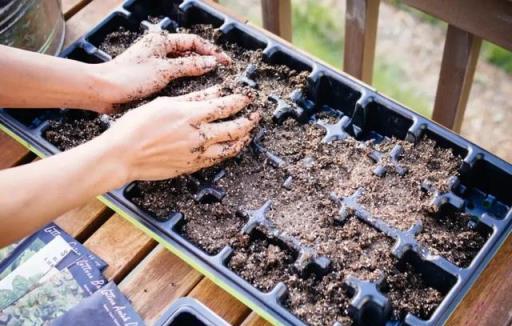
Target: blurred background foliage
(318,28)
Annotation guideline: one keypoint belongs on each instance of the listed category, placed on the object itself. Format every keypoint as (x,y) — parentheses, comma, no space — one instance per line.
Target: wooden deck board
(219,301)
(121,245)
(11,152)
(81,222)
(157,281)
(254,320)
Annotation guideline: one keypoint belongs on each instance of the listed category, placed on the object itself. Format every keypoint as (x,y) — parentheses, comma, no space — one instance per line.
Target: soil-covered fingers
(176,43)
(220,151)
(190,66)
(205,94)
(219,108)
(228,131)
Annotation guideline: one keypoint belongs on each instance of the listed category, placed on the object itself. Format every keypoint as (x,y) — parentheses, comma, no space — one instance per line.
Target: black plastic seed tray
(189,312)
(482,189)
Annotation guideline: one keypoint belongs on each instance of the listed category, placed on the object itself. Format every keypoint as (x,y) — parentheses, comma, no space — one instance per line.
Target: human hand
(173,136)
(152,62)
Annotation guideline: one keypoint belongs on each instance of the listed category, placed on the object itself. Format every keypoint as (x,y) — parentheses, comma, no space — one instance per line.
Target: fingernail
(209,61)
(254,116)
(227,60)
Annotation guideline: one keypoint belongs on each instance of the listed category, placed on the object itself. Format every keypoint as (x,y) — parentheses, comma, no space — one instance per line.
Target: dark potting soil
(451,237)
(408,293)
(118,41)
(303,206)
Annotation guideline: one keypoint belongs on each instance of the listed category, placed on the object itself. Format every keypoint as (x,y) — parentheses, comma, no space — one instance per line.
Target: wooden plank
(121,245)
(460,56)
(12,153)
(157,281)
(86,18)
(255,320)
(71,7)
(81,222)
(222,303)
(489,19)
(277,17)
(361,21)
(489,301)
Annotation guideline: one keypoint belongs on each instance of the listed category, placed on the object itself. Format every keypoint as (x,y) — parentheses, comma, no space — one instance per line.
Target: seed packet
(6,251)
(27,275)
(38,240)
(58,291)
(108,306)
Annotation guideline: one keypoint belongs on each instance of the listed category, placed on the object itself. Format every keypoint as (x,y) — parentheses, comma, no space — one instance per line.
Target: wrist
(111,158)
(107,91)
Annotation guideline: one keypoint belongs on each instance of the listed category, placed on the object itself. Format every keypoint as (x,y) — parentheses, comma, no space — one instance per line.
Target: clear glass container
(35,25)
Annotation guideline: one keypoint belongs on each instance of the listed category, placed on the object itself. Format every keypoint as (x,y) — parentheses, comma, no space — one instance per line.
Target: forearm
(33,80)
(35,194)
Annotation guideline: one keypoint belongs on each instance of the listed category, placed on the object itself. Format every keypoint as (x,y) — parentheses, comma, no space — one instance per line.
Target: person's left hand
(148,66)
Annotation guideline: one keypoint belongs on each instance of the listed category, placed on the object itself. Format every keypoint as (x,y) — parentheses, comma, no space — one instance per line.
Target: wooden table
(153,278)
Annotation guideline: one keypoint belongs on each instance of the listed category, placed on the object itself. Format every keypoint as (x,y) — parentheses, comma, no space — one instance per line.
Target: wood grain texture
(489,19)
(85,19)
(460,56)
(223,304)
(121,245)
(277,17)
(489,302)
(71,7)
(254,320)
(81,222)
(157,281)
(11,152)
(361,20)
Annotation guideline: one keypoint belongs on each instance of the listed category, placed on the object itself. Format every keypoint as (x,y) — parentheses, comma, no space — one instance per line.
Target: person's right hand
(173,136)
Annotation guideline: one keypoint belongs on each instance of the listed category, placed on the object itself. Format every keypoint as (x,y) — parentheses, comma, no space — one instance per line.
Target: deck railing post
(277,17)
(460,56)
(361,21)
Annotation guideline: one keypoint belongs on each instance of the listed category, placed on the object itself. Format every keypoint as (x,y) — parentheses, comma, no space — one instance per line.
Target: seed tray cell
(189,312)
(345,112)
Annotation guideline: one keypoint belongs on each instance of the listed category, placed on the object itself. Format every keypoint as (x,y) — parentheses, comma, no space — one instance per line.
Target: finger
(190,66)
(190,42)
(229,130)
(221,151)
(220,108)
(205,94)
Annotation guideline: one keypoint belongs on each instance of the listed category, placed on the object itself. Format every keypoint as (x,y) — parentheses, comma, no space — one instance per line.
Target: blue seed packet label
(57,292)
(87,275)
(106,307)
(32,244)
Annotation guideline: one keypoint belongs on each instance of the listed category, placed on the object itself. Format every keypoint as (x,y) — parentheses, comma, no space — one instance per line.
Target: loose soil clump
(303,190)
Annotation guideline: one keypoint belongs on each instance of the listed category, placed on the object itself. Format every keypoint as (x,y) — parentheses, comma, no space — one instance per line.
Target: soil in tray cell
(75,128)
(248,182)
(354,248)
(399,200)
(212,226)
(118,41)
(451,236)
(408,293)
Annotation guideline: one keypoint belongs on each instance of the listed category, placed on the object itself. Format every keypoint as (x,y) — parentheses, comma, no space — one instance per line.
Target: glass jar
(35,25)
